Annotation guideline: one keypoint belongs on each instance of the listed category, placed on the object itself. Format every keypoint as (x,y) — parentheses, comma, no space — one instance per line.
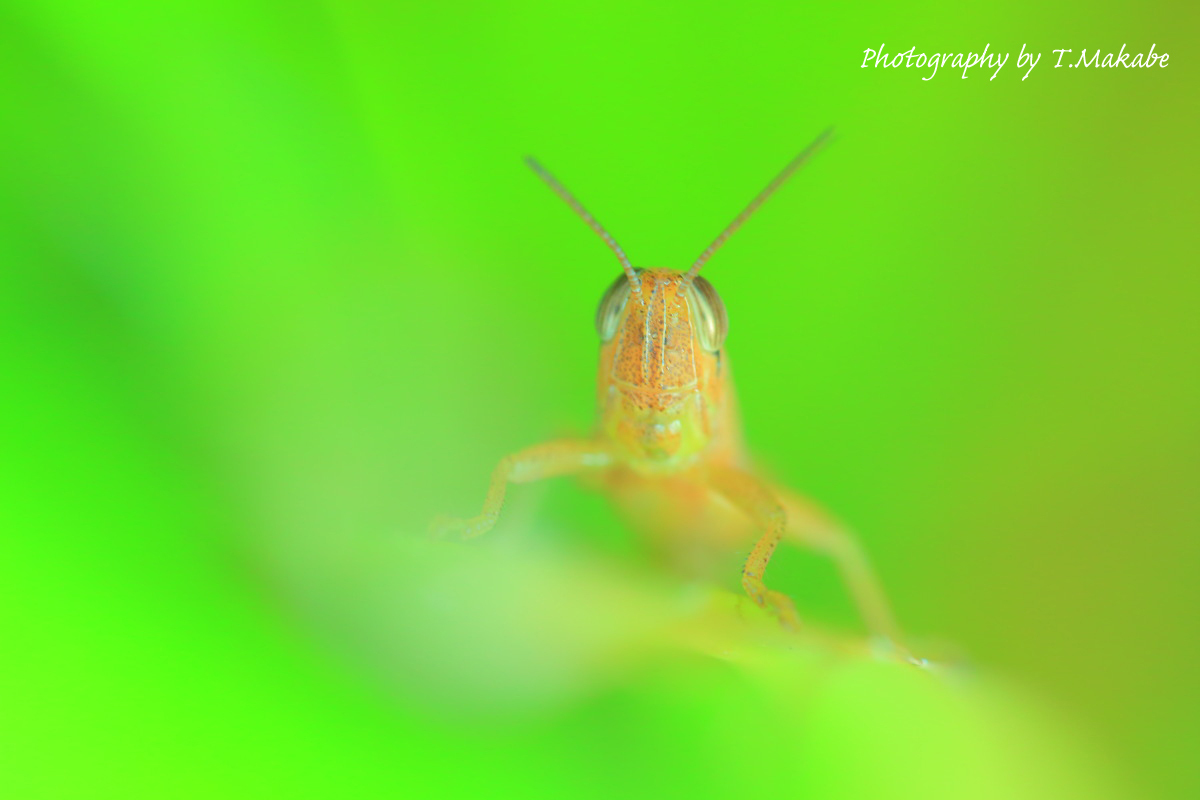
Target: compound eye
(708,315)
(608,314)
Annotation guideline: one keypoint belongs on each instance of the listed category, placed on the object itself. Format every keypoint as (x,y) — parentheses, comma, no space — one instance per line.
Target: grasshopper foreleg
(757,500)
(546,460)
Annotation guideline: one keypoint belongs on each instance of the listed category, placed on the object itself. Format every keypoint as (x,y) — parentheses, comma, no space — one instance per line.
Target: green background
(277,289)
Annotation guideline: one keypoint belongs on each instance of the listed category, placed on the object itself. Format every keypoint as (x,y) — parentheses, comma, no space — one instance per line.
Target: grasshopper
(667,447)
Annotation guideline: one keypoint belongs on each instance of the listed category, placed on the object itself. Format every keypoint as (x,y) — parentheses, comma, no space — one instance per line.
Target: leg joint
(775,518)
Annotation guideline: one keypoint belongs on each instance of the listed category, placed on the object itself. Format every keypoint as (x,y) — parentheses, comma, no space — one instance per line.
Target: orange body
(665,406)
(667,447)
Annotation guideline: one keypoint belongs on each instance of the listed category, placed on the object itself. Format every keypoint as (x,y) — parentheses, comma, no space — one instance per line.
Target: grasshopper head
(662,333)
(661,346)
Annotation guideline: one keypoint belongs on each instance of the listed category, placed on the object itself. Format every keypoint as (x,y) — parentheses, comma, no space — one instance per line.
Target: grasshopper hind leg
(811,527)
(779,513)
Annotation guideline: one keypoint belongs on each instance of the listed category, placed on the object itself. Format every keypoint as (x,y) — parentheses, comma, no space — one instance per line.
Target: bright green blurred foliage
(275,289)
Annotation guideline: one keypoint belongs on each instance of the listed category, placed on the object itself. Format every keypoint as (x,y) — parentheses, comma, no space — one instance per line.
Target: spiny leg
(759,503)
(814,528)
(546,460)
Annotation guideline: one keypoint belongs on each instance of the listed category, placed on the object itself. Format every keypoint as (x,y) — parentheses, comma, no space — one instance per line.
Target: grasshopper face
(659,366)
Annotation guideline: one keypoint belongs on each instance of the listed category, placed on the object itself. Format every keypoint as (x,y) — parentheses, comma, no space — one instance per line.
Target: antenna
(749,210)
(570,200)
